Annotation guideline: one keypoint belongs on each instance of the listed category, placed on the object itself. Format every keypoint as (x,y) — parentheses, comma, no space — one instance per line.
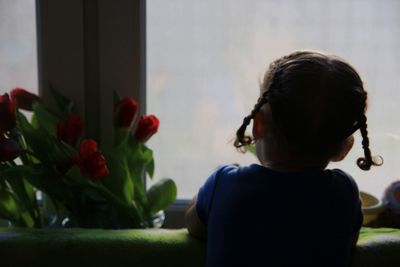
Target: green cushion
(378,247)
(87,247)
(153,247)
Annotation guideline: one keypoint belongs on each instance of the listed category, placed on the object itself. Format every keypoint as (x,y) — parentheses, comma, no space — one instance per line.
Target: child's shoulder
(232,170)
(227,173)
(343,177)
(344,184)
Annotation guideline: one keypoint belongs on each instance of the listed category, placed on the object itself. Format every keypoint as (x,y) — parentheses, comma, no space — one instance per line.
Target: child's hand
(195,227)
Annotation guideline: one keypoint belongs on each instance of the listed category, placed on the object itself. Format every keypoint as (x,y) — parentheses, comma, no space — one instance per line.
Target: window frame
(78,55)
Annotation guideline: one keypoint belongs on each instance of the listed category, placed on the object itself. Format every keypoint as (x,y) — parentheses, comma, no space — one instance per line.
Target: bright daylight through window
(205,57)
(18,53)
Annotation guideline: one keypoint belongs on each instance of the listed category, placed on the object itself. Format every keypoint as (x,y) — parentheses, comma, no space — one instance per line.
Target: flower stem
(128,211)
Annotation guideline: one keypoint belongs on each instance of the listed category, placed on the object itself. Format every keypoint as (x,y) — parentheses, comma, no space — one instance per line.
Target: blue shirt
(256,216)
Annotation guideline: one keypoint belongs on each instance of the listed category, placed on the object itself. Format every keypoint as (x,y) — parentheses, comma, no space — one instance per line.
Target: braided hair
(242,140)
(367,161)
(317,102)
(271,78)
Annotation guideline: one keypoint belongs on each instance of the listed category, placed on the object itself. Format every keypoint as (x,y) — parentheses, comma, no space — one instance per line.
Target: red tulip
(125,112)
(71,130)
(148,125)
(91,161)
(24,99)
(87,147)
(9,149)
(7,113)
(94,166)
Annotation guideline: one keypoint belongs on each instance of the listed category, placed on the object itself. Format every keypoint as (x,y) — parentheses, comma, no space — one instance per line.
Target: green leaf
(45,120)
(140,191)
(11,209)
(74,178)
(41,177)
(130,211)
(135,161)
(161,195)
(27,219)
(65,105)
(17,171)
(119,181)
(121,136)
(45,146)
(150,168)
(26,194)
(148,160)
(31,194)
(34,121)
(30,191)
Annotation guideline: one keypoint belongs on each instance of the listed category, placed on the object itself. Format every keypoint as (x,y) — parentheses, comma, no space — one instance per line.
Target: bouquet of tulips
(83,186)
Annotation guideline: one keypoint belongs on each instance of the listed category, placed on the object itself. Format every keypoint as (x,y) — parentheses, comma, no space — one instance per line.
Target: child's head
(310,105)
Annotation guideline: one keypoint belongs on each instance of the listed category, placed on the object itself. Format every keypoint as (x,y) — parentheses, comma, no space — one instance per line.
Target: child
(290,210)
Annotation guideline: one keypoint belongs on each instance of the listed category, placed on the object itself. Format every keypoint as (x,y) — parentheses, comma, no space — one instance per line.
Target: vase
(92,211)
(64,221)
(159,219)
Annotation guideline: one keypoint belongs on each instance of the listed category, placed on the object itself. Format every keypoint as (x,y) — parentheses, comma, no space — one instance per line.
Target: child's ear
(258,125)
(345,149)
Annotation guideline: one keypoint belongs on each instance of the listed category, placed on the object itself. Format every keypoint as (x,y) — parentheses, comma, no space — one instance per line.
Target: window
(18,66)
(18,51)
(204,60)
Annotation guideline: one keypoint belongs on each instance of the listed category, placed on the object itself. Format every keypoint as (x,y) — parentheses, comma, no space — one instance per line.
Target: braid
(271,81)
(298,85)
(241,138)
(367,161)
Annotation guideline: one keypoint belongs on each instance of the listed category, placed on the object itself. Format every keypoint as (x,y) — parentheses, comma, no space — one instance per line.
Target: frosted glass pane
(18,56)
(205,58)
(18,49)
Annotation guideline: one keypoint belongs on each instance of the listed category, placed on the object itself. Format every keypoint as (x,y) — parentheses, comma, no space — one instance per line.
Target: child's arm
(194,225)
(355,239)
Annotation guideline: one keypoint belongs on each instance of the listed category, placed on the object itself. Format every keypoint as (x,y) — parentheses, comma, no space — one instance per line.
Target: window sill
(175,214)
